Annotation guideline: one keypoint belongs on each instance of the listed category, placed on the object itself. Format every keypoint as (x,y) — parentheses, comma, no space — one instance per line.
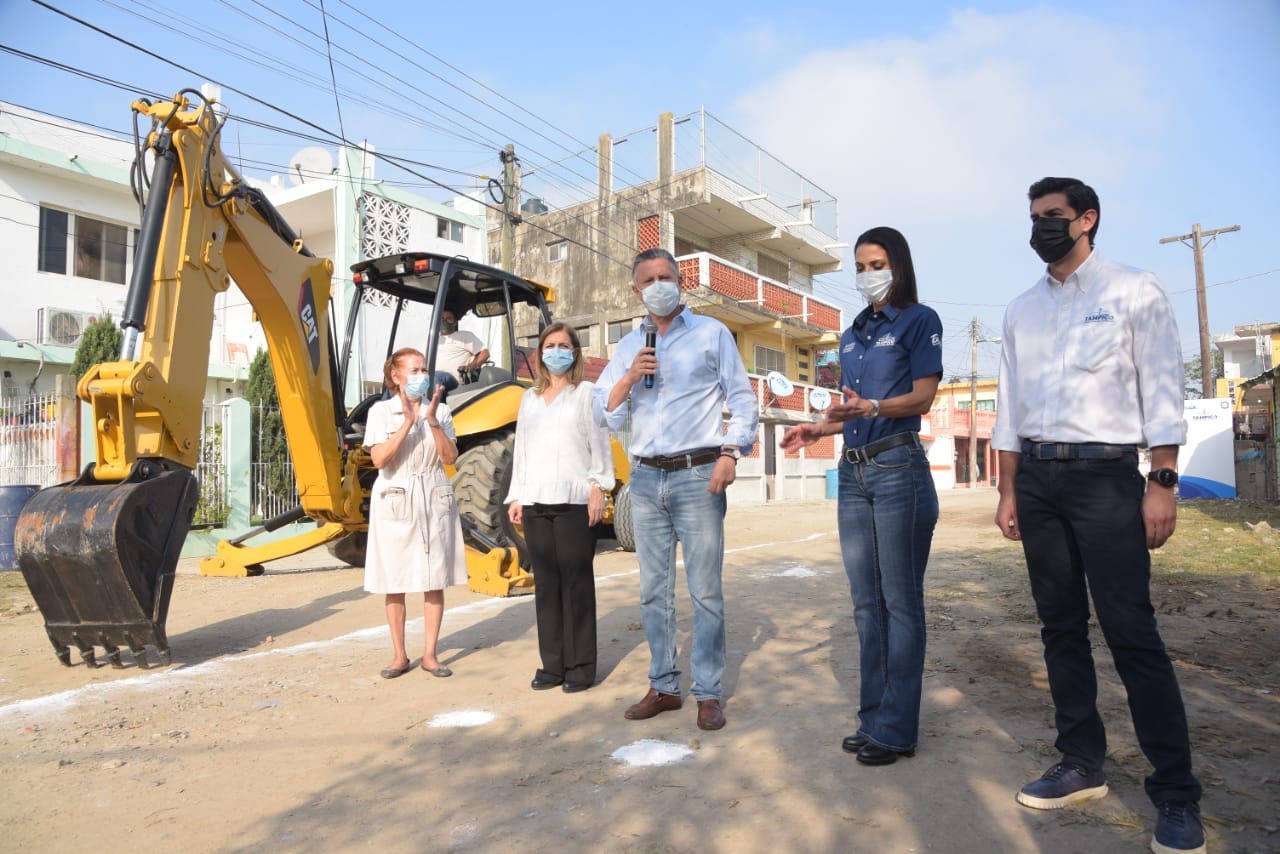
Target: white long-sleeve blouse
(561,450)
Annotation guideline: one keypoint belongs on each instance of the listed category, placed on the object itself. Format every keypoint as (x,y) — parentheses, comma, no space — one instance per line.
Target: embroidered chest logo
(848,348)
(886,340)
(1099,315)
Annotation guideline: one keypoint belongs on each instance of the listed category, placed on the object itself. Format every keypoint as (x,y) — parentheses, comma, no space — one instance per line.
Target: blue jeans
(886,511)
(666,508)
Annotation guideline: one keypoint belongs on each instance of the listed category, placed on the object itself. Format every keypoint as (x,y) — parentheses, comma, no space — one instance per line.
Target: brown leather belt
(686,460)
(867,452)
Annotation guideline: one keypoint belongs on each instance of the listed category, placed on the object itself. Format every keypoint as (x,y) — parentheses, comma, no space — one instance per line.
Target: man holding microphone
(672,378)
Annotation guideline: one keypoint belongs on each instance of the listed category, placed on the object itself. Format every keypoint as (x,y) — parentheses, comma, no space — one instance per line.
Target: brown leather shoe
(653,703)
(709,714)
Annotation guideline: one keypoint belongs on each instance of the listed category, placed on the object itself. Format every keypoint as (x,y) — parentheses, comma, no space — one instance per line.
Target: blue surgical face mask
(558,361)
(417,386)
(661,297)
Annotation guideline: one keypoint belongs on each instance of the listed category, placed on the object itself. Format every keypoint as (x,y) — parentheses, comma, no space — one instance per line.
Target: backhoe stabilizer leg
(235,560)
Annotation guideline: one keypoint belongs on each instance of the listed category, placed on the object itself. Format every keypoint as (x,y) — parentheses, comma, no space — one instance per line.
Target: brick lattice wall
(733,282)
(647,235)
(824,316)
(688,274)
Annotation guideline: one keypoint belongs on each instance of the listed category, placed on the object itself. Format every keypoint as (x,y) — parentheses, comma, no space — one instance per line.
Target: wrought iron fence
(29,440)
(211,467)
(272,490)
(29,455)
(272,487)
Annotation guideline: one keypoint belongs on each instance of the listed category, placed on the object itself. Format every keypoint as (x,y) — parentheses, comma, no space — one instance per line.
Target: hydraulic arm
(99,553)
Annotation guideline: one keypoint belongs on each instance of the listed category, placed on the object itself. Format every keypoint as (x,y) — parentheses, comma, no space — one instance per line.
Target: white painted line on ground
(56,702)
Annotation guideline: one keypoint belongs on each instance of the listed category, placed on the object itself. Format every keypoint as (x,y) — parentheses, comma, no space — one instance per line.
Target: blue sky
(930,117)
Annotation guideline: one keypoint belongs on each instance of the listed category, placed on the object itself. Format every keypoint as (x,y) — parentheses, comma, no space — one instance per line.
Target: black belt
(866,452)
(685,460)
(1080,451)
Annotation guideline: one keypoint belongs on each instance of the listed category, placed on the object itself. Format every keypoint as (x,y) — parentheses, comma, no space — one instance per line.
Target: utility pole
(1197,247)
(510,204)
(974,340)
(973,405)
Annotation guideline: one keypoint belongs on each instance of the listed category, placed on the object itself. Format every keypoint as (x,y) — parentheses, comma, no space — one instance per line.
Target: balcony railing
(702,269)
(948,421)
(792,405)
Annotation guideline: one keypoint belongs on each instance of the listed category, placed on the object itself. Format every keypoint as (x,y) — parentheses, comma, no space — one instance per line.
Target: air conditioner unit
(63,326)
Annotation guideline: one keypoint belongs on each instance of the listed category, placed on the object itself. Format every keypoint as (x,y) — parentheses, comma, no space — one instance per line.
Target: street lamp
(31,386)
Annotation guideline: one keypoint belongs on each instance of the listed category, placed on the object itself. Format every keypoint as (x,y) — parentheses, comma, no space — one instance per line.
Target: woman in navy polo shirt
(890,363)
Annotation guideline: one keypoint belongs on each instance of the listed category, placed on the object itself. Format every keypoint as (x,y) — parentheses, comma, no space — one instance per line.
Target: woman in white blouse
(559,479)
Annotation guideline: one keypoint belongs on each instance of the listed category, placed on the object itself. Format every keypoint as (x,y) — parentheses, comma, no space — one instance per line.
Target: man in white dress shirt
(1091,370)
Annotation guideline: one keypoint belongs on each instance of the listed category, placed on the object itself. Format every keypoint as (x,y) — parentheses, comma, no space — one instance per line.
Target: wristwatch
(1167,478)
(730,451)
(875,408)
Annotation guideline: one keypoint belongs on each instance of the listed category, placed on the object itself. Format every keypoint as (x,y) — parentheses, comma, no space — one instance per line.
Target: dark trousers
(1082,533)
(563,548)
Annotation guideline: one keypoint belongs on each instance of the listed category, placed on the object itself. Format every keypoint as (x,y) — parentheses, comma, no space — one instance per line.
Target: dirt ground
(272,730)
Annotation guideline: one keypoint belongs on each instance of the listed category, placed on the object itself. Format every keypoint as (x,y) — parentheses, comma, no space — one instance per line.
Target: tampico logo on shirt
(1099,315)
(886,340)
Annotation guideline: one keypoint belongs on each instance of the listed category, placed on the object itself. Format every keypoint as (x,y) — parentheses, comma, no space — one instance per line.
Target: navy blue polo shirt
(881,355)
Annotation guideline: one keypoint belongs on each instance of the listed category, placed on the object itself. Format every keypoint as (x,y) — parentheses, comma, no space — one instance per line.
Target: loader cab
(481,297)
(493,304)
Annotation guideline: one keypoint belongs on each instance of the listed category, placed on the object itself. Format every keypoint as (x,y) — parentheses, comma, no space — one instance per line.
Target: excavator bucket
(100,559)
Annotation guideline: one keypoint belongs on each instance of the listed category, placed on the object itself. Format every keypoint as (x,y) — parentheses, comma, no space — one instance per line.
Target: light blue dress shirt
(699,372)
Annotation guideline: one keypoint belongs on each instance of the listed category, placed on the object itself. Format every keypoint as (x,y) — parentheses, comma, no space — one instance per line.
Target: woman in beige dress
(415,538)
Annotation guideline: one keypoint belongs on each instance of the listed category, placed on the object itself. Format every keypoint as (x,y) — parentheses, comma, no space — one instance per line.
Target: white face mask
(661,297)
(875,284)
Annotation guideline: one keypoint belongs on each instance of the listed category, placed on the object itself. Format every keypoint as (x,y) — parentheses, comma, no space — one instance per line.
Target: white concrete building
(68,228)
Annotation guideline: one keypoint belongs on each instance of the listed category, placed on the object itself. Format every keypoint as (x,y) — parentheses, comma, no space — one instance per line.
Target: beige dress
(415,538)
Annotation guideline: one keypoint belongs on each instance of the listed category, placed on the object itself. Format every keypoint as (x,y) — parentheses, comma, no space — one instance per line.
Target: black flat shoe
(874,754)
(853,743)
(540,684)
(574,687)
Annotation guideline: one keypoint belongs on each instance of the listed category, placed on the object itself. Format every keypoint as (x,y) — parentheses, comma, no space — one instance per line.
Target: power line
(405,164)
(620,199)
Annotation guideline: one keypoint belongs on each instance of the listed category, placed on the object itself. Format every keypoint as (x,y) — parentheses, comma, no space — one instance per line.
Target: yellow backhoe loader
(99,553)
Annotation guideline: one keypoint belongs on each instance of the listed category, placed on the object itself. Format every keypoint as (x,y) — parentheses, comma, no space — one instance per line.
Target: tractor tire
(351,548)
(480,487)
(623,526)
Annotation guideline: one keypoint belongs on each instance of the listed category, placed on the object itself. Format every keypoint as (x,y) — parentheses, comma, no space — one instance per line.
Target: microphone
(650,340)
